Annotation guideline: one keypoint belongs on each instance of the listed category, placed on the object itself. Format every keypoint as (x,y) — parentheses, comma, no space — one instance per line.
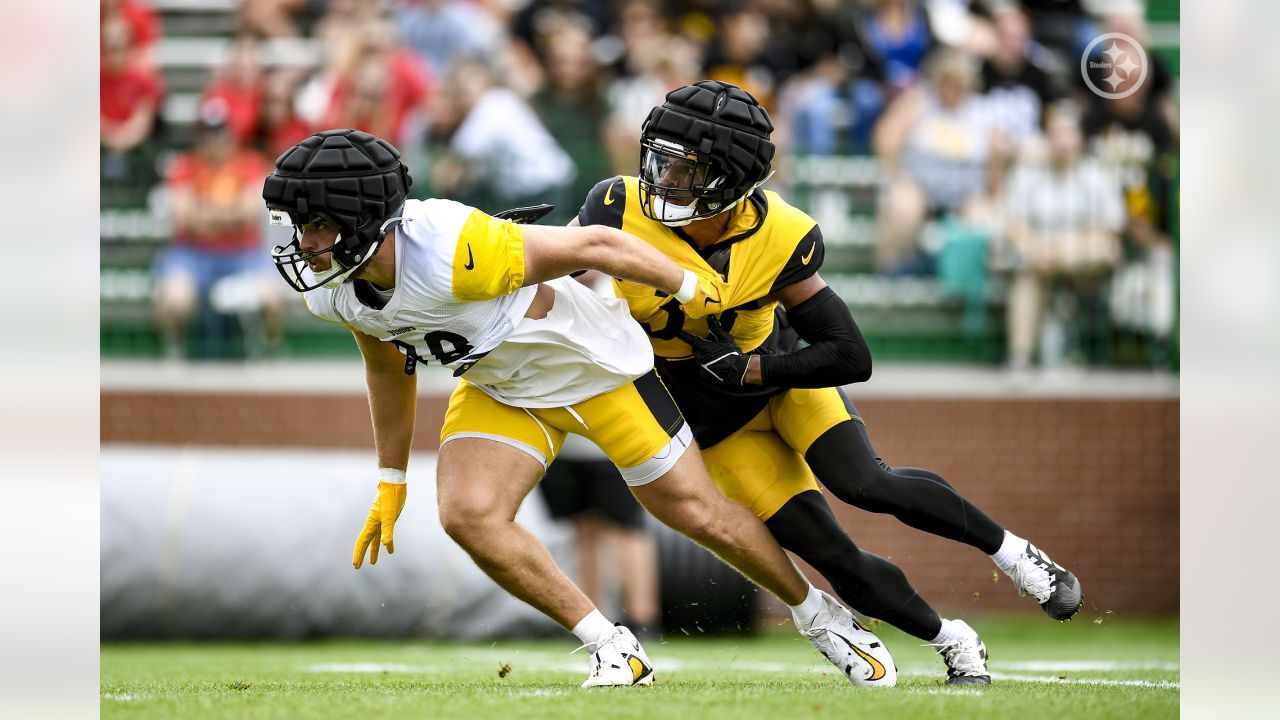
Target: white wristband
(688,288)
(392,475)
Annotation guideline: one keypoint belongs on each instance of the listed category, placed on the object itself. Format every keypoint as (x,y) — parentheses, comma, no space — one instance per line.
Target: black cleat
(1055,588)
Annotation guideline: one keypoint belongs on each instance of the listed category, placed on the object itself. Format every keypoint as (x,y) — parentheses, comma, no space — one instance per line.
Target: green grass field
(1114,669)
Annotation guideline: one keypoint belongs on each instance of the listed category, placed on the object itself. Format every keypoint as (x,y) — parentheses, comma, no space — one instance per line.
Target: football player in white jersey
(539,356)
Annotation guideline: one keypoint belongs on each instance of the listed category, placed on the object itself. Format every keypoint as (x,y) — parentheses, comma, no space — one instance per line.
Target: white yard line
(1086,666)
(1163,684)
(552,662)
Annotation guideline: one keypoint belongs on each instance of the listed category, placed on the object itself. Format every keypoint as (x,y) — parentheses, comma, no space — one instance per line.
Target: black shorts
(580,487)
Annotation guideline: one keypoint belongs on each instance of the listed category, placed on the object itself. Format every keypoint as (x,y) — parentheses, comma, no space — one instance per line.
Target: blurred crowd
(999,172)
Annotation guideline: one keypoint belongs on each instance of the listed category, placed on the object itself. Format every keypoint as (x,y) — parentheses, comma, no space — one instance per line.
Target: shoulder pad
(804,261)
(605,203)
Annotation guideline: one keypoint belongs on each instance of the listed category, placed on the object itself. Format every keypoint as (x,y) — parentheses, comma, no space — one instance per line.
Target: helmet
(702,151)
(346,177)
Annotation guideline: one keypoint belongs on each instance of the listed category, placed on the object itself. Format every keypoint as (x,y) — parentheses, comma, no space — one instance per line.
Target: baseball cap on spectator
(212,115)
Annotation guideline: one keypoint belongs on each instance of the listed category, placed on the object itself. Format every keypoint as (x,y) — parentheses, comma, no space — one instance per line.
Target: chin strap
(373,250)
(382,231)
(382,235)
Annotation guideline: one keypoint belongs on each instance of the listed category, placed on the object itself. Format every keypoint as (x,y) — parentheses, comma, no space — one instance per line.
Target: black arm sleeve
(837,354)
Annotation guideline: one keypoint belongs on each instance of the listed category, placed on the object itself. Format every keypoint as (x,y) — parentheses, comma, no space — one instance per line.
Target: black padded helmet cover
(347,177)
(720,124)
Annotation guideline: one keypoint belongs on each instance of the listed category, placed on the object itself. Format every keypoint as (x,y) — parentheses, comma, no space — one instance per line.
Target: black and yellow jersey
(768,245)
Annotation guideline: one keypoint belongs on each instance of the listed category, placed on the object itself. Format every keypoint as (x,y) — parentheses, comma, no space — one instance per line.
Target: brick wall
(1094,482)
(257,419)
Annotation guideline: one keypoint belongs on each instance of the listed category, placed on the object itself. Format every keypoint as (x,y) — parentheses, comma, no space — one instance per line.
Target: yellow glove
(379,529)
(701,296)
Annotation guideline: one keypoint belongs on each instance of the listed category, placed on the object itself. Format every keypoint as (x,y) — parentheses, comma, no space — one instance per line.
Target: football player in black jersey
(769,415)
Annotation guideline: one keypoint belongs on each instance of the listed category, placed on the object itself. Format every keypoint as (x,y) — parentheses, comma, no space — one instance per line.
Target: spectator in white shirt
(497,149)
(1065,214)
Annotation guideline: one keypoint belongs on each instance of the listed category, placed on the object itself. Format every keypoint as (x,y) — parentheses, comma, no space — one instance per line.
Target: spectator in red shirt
(279,125)
(141,19)
(271,18)
(363,101)
(130,92)
(216,207)
(387,73)
(240,86)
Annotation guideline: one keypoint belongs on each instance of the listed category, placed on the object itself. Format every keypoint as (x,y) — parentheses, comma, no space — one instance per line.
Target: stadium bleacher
(904,318)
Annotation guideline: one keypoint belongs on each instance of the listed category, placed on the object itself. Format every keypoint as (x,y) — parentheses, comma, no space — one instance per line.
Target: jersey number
(435,341)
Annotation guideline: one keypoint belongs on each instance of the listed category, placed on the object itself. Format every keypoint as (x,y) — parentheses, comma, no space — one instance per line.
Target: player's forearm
(624,256)
(552,252)
(393,410)
(837,353)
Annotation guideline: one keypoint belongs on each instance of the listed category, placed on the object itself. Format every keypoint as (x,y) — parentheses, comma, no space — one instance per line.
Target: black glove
(720,358)
(525,215)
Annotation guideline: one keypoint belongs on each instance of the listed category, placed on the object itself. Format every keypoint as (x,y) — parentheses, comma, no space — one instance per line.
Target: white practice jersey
(458,302)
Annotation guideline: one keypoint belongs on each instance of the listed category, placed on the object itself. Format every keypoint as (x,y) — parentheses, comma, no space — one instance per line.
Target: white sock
(949,633)
(805,613)
(592,629)
(1010,550)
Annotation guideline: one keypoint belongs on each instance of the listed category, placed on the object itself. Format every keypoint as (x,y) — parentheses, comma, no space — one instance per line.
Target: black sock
(870,584)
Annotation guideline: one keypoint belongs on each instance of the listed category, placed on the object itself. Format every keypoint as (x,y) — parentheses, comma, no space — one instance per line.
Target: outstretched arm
(550,252)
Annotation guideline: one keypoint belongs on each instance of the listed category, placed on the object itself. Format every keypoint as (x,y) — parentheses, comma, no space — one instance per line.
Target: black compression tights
(844,461)
(868,583)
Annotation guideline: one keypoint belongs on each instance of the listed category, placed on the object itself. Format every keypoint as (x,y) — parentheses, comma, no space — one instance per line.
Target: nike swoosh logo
(638,669)
(805,259)
(471,263)
(608,195)
(877,670)
(708,301)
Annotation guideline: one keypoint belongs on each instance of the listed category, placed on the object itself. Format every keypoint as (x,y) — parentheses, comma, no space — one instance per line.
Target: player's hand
(719,356)
(379,529)
(706,299)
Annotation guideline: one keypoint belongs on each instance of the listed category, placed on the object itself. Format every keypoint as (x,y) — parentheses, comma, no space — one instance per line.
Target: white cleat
(966,657)
(857,652)
(618,661)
